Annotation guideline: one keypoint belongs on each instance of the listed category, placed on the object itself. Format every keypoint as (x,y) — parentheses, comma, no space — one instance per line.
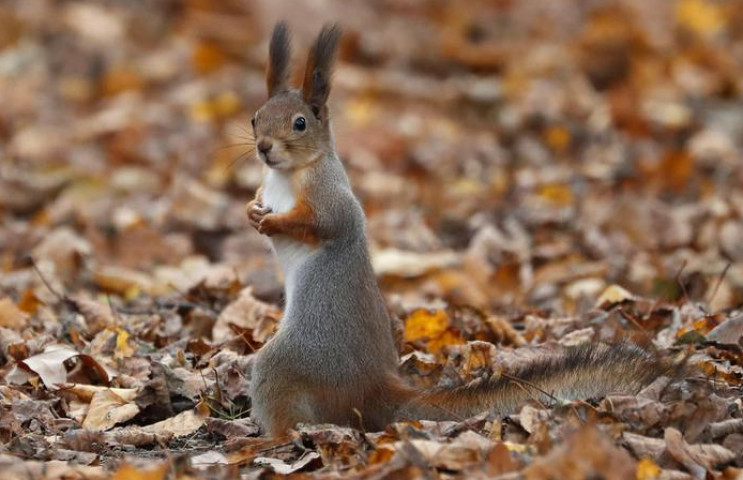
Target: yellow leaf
(227,103)
(360,111)
(557,137)
(123,349)
(557,193)
(646,469)
(425,324)
(202,111)
(432,327)
(612,295)
(447,338)
(700,16)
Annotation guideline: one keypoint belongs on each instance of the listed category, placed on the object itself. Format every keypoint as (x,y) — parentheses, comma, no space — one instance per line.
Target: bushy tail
(588,371)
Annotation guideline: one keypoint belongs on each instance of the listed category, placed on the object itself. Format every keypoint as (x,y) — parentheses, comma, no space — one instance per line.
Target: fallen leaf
(185,423)
(10,315)
(108,409)
(209,458)
(49,365)
(613,295)
(431,327)
(411,264)
(283,468)
(86,392)
(647,470)
(130,472)
(583,454)
(247,312)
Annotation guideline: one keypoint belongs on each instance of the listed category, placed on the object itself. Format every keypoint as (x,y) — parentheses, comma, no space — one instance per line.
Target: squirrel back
(333,358)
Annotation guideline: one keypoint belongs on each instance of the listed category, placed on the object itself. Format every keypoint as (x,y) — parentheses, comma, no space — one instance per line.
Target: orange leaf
(425,324)
(647,469)
(207,57)
(130,472)
(700,16)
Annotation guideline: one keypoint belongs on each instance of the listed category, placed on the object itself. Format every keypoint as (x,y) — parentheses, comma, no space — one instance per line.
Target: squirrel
(333,358)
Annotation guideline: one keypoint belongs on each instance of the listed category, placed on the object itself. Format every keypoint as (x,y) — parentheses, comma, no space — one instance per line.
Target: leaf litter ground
(536,176)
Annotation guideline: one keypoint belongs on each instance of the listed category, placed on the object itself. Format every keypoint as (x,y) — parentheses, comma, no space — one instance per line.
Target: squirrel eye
(300,124)
(252,122)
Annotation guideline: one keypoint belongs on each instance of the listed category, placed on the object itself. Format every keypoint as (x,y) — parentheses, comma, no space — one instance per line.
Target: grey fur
(335,339)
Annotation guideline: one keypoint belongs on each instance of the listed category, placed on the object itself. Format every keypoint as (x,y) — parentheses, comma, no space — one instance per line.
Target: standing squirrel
(333,358)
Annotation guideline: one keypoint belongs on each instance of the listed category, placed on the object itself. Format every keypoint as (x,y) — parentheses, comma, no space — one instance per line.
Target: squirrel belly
(279,197)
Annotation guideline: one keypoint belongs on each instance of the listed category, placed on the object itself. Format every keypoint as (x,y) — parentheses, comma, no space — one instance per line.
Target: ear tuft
(279,54)
(316,86)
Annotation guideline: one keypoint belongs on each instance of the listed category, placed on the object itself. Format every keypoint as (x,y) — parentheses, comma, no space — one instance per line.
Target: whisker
(245,130)
(234,145)
(242,156)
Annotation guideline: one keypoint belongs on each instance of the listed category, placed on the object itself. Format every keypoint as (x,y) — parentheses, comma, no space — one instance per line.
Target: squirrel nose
(264,145)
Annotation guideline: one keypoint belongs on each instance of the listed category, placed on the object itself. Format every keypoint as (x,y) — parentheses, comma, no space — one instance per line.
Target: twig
(46,283)
(531,385)
(719,281)
(115,314)
(680,283)
(631,319)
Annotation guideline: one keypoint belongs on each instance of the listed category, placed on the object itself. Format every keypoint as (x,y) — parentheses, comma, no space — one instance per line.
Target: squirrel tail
(587,371)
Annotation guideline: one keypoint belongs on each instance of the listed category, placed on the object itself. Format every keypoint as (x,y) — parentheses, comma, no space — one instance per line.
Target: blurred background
(510,155)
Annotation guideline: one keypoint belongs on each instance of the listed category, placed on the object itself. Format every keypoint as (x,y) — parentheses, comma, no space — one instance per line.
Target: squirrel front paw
(256,214)
(268,225)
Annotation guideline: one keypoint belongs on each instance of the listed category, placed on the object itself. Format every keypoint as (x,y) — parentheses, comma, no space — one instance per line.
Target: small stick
(531,385)
(719,281)
(46,283)
(680,283)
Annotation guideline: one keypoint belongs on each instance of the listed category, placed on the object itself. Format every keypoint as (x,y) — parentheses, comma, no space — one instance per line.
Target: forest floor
(536,176)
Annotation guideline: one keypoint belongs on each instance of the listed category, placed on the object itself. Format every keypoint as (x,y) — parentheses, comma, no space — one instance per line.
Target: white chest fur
(277,192)
(279,197)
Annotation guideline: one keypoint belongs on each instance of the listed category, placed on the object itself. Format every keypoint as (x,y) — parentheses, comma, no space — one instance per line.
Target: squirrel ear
(316,86)
(279,54)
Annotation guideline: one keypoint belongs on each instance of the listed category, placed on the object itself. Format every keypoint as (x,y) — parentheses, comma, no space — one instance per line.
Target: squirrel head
(292,129)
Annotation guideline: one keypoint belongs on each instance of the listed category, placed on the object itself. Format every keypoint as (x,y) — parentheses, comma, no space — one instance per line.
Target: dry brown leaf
(97,315)
(10,315)
(13,468)
(246,312)
(125,282)
(584,454)
(86,392)
(283,468)
(108,409)
(49,365)
(404,264)
(467,449)
(612,295)
(65,249)
(209,458)
(730,331)
(697,459)
(185,423)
